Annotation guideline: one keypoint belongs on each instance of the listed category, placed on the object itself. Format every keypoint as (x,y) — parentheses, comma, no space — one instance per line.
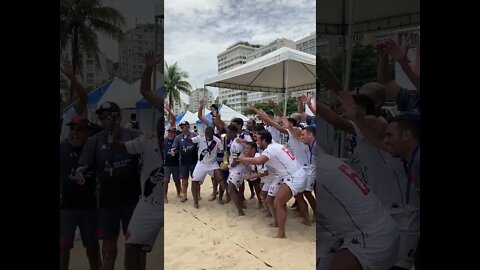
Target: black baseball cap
(80,121)
(184,123)
(108,106)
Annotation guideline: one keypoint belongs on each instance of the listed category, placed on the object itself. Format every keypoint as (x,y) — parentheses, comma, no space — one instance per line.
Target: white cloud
(197,30)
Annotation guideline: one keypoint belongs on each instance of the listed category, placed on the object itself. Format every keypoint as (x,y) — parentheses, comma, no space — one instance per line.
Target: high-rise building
(272,46)
(307,44)
(132,49)
(260,97)
(197,95)
(232,57)
(94,69)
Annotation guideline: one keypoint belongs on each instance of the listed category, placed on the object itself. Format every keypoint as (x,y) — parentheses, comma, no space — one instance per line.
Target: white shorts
(297,183)
(373,258)
(201,171)
(236,178)
(274,187)
(146,221)
(266,184)
(328,243)
(409,224)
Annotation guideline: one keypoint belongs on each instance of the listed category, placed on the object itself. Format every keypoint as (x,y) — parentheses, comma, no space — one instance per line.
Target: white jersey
(263,168)
(300,150)
(275,133)
(207,150)
(385,175)
(235,148)
(152,173)
(354,211)
(281,161)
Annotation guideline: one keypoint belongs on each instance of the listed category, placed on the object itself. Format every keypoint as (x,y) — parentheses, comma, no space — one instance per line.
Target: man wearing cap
(188,152)
(77,198)
(118,178)
(172,164)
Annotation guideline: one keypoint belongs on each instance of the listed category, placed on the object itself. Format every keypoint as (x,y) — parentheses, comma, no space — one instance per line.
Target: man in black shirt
(188,154)
(171,166)
(118,175)
(77,198)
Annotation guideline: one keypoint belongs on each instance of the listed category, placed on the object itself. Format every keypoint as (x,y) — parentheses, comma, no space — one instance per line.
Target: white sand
(215,237)
(79,261)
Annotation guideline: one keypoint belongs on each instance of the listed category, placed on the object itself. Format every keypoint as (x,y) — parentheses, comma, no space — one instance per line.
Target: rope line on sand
(246,250)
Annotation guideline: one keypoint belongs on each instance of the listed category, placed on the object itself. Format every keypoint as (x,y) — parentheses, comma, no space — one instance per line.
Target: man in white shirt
(292,178)
(348,205)
(208,145)
(236,169)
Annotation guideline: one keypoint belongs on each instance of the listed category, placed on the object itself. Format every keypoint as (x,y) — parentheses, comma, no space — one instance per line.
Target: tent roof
(265,74)
(369,15)
(94,96)
(121,93)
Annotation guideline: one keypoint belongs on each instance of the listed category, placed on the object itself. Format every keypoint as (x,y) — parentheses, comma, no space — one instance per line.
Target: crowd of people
(367,210)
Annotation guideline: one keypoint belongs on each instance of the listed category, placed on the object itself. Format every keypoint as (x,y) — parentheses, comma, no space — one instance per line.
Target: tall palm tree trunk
(75,60)
(170,101)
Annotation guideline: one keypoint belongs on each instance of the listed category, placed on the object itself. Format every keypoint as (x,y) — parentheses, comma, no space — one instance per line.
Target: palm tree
(175,83)
(80,20)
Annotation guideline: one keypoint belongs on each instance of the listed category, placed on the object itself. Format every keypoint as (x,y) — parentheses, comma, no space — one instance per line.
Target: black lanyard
(311,150)
(408,169)
(208,146)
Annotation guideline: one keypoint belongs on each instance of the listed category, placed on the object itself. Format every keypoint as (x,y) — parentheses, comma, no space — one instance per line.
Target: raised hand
(66,68)
(397,52)
(202,102)
(250,106)
(167,107)
(304,99)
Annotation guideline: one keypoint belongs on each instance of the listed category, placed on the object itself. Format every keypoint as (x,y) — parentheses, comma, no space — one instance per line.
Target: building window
(340,42)
(89,75)
(358,37)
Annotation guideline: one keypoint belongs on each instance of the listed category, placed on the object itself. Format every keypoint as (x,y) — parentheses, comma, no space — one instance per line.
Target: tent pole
(285,81)
(349,43)
(154,84)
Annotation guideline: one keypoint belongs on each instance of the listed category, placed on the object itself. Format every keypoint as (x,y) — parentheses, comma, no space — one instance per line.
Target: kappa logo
(355,241)
(394,206)
(332,250)
(103,147)
(411,254)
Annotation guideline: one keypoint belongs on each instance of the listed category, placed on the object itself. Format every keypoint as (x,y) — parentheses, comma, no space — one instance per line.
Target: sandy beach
(78,258)
(215,237)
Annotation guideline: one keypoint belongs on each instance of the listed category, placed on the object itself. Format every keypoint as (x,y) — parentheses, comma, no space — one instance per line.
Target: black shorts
(256,181)
(86,220)
(109,221)
(171,172)
(186,171)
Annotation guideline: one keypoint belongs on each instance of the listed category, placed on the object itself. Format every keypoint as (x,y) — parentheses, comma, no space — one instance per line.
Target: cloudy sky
(197,30)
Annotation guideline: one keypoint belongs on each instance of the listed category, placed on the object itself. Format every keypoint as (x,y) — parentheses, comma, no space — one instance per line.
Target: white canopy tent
(346,17)
(121,93)
(281,71)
